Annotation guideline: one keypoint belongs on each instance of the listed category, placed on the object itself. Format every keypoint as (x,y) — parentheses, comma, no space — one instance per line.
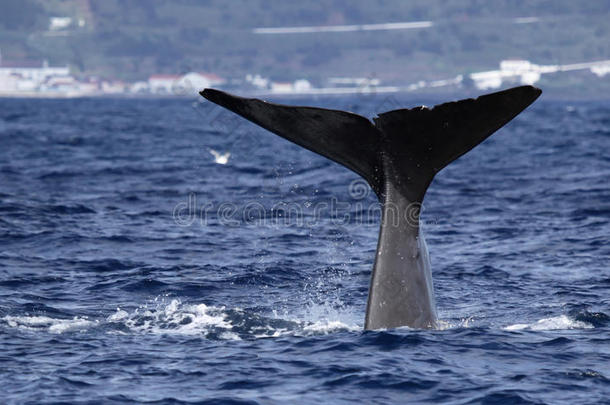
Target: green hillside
(133,39)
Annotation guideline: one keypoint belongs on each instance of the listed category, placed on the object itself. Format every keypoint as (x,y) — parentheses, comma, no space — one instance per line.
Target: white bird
(219,158)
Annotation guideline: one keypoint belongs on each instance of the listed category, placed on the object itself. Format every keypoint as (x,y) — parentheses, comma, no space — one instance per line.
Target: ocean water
(134,267)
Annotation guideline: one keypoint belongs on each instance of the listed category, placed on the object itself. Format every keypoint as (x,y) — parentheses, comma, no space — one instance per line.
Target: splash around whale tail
(404,147)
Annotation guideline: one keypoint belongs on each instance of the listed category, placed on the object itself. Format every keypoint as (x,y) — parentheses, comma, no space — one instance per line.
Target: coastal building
(113,87)
(140,87)
(162,83)
(511,71)
(258,81)
(182,84)
(302,86)
(353,81)
(524,72)
(59,23)
(282,87)
(30,77)
(197,81)
(37,74)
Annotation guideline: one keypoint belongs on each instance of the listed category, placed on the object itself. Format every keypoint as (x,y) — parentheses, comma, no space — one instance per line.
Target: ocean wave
(177,318)
(554,323)
(219,322)
(49,324)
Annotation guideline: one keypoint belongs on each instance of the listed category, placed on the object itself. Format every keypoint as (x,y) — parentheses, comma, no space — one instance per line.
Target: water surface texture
(133,267)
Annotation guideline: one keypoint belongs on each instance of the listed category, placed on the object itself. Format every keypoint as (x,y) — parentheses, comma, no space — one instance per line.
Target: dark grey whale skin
(398,155)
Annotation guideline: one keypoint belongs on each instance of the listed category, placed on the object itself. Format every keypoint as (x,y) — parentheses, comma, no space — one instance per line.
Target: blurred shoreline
(59,82)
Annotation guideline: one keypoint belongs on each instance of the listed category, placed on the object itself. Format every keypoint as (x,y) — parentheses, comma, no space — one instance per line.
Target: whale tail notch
(406,147)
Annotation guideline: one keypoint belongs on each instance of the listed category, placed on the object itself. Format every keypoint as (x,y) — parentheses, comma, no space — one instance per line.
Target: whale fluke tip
(212,94)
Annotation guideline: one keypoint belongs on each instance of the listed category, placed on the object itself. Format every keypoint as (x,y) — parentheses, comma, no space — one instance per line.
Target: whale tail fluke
(420,141)
(406,147)
(346,138)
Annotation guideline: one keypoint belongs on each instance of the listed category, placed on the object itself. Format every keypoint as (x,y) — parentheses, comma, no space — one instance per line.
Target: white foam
(229,336)
(554,323)
(329,326)
(172,317)
(321,318)
(53,325)
(467,322)
(118,315)
(176,318)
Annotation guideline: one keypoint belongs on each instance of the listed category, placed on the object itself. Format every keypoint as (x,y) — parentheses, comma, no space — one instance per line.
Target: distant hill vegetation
(133,39)
(21,15)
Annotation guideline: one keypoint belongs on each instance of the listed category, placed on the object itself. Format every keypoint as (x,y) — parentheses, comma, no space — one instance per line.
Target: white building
(487,80)
(162,84)
(282,87)
(601,70)
(197,81)
(8,83)
(183,84)
(30,79)
(302,86)
(514,70)
(525,72)
(59,83)
(299,86)
(59,23)
(258,81)
(139,87)
(354,81)
(113,87)
(37,74)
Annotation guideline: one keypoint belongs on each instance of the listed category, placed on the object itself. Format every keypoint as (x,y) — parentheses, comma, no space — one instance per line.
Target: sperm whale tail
(398,155)
(406,147)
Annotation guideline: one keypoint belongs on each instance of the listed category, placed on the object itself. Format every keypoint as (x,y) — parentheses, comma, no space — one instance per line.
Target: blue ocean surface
(134,267)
